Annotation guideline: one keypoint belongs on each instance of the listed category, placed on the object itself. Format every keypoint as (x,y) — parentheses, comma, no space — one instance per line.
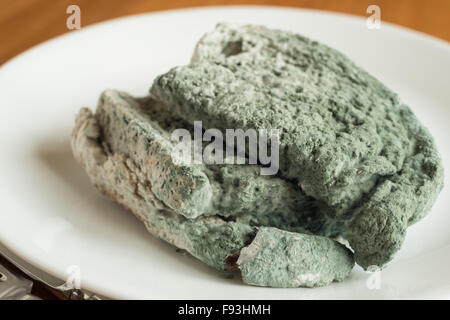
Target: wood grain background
(25,23)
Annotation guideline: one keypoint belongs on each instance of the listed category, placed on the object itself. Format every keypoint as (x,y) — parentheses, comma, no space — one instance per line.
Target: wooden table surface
(25,23)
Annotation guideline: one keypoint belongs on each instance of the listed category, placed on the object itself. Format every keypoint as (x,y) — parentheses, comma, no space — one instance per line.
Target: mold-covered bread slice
(125,149)
(345,137)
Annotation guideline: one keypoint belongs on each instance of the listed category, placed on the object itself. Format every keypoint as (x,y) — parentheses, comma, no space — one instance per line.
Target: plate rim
(393,26)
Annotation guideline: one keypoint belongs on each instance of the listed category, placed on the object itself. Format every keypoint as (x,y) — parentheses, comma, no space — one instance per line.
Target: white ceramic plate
(53,218)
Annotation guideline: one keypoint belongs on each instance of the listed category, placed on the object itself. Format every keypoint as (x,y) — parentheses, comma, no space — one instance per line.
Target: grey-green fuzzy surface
(140,130)
(345,137)
(282,259)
